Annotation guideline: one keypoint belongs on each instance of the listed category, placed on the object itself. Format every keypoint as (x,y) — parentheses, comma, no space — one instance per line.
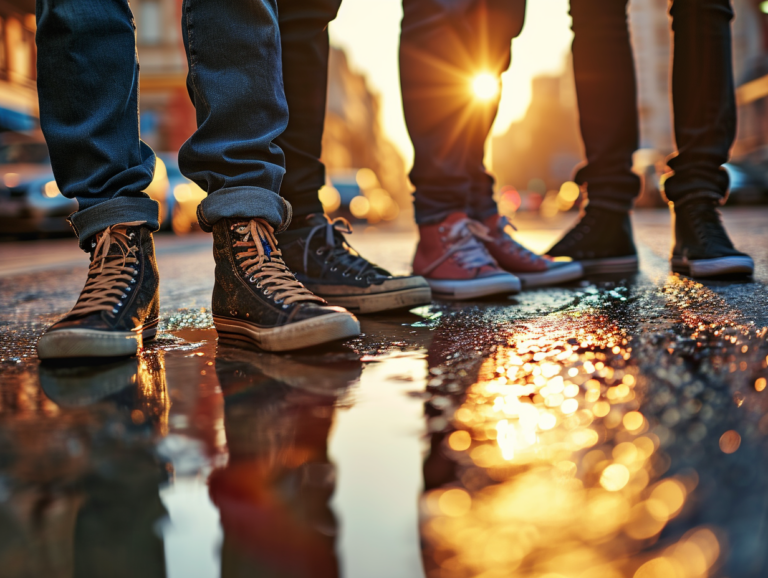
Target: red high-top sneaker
(530,268)
(452,258)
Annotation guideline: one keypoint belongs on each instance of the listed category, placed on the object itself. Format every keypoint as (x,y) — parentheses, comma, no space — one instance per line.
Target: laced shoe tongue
(260,259)
(329,235)
(111,272)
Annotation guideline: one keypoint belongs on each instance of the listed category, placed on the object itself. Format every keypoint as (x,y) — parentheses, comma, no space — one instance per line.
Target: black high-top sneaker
(601,241)
(701,246)
(119,306)
(257,299)
(331,268)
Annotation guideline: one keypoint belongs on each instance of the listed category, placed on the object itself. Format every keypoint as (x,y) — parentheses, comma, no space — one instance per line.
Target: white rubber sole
(561,274)
(378,302)
(298,335)
(714,267)
(84,343)
(612,266)
(460,290)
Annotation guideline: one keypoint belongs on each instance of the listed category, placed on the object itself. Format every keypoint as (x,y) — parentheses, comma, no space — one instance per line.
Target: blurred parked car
(30,200)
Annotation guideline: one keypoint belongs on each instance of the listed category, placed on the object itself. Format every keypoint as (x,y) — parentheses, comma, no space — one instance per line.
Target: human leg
(705,127)
(88,90)
(314,247)
(305,49)
(241,111)
(87,83)
(607,99)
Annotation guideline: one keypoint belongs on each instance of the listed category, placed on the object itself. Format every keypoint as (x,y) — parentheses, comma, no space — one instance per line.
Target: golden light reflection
(577,477)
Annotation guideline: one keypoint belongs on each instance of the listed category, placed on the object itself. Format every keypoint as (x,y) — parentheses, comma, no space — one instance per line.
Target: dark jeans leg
(496,23)
(235,81)
(88,78)
(703,99)
(607,98)
(443,45)
(304,36)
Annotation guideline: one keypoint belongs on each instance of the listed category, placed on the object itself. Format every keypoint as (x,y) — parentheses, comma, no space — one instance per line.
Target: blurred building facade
(354,137)
(18,70)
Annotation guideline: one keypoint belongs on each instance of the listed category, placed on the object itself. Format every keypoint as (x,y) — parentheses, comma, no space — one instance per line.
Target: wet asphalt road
(614,428)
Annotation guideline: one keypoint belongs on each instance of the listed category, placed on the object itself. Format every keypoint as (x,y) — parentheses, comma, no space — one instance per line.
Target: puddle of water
(606,431)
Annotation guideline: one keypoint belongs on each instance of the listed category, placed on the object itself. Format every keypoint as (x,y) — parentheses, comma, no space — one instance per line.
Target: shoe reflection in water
(83,477)
(273,494)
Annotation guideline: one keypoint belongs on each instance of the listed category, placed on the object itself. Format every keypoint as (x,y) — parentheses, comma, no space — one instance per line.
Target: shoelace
(467,237)
(338,252)
(263,264)
(110,276)
(512,246)
(578,232)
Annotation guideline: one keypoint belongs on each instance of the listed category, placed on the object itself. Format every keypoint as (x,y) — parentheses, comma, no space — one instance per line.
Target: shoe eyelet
(285,306)
(135,272)
(278,301)
(133,282)
(132,236)
(114,311)
(319,252)
(129,289)
(119,304)
(267,292)
(124,296)
(345,274)
(334,269)
(252,280)
(357,278)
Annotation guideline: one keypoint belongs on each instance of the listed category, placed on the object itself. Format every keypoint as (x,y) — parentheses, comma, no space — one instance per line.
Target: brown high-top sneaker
(452,258)
(119,306)
(530,268)
(257,299)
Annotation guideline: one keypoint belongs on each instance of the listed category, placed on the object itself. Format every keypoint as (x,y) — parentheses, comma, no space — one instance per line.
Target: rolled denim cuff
(90,221)
(247,203)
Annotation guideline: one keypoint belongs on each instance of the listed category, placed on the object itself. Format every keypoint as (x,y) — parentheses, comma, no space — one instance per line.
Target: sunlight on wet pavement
(612,429)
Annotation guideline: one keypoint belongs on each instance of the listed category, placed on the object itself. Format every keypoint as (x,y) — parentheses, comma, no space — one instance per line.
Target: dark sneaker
(453,259)
(532,269)
(257,299)
(701,247)
(328,266)
(601,241)
(119,306)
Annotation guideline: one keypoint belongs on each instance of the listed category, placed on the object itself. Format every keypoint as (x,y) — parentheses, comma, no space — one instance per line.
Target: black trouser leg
(607,98)
(703,99)
(304,34)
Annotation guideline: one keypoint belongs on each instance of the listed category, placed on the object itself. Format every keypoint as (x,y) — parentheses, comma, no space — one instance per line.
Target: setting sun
(485,86)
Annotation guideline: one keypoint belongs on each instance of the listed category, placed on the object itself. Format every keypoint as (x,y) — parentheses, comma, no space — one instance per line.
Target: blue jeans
(88,77)
(447,128)
(443,45)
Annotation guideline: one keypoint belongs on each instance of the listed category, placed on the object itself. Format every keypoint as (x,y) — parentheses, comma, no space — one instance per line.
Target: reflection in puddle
(614,431)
